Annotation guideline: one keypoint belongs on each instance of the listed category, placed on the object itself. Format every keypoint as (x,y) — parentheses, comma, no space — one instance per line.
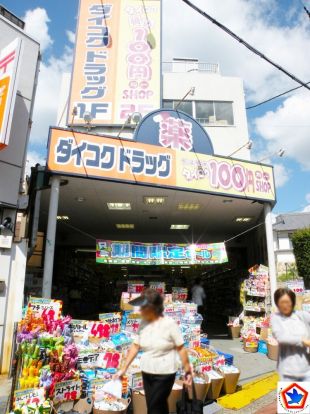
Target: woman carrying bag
(188,406)
(161,341)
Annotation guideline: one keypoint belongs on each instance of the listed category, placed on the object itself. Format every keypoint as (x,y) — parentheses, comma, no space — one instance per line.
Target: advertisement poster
(9,66)
(126,252)
(68,390)
(92,156)
(28,396)
(116,71)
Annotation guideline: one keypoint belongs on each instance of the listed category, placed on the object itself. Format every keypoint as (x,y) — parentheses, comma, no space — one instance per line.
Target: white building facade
(283,229)
(13,201)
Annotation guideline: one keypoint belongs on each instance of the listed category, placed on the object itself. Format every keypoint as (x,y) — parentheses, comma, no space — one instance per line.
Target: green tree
(301,246)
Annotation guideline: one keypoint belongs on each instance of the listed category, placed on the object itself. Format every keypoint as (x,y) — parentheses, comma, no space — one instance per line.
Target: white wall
(12,161)
(214,87)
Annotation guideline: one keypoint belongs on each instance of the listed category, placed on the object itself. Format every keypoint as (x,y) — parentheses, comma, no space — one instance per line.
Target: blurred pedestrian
(161,341)
(292,331)
(199,295)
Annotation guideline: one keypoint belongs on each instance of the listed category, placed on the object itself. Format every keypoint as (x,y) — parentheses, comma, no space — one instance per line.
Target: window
(205,112)
(214,113)
(224,113)
(186,106)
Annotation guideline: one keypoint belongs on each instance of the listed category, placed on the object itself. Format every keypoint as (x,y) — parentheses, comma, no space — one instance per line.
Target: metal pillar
(50,238)
(270,250)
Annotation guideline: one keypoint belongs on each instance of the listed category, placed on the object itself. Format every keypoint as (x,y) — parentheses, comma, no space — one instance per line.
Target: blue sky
(279,28)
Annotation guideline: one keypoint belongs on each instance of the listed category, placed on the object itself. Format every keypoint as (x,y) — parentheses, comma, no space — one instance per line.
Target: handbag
(188,406)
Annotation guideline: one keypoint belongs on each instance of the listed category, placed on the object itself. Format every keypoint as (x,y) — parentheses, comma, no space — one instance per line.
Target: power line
(275,97)
(246,44)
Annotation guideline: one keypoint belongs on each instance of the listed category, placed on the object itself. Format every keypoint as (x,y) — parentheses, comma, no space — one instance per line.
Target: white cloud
(288,127)
(70,36)
(36,25)
(33,158)
(282,175)
(306,209)
(47,96)
(188,34)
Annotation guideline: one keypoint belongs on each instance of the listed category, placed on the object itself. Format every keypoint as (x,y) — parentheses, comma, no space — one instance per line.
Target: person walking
(292,331)
(161,341)
(199,295)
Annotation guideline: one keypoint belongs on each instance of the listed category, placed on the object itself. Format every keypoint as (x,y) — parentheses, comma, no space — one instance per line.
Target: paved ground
(5,388)
(250,365)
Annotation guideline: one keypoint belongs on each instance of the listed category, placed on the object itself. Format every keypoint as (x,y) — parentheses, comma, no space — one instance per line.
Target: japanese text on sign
(45,307)
(113,319)
(29,396)
(68,390)
(148,253)
(92,156)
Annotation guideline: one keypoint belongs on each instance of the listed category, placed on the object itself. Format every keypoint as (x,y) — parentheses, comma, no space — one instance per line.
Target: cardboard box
(217,381)
(234,331)
(264,333)
(201,390)
(138,402)
(126,402)
(273,351)
(230,382)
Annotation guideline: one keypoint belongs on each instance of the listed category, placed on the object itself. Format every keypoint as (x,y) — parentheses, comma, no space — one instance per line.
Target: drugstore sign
(9,65)
(92,156)
(116,68)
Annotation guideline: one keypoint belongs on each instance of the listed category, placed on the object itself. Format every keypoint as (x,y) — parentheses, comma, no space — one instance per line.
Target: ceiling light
(243,219)
(80,199)
(189,206)
(179,227)
(154,201)
(227,200)
(119,206)
(62,218)
(125,226)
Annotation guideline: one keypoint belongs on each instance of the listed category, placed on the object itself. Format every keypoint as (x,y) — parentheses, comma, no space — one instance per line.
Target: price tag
(109,359)
(98,329)
(78,327)
(47,307)
(204,368)
(113,319)
(68,390)
(133,322)
(29,396)
(158,286)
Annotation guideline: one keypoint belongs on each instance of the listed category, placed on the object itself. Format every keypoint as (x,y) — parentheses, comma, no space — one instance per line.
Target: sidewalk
(5,389)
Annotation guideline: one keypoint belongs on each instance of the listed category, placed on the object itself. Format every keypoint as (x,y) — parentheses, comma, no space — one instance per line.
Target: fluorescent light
(62,218)
(154,201)
(179,227)
(243,219)
(125,226)
(80,199)
(119,206)
(227,201)
(189,206)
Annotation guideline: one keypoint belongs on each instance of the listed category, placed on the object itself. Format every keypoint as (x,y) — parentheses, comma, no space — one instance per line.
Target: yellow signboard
(9,65)
(116,68)
(94,156)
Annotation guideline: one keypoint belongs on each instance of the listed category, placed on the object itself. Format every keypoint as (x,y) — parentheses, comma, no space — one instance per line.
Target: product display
(62,359)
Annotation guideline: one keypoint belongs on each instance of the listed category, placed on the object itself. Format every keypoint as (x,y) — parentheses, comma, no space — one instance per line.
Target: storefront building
(19,61)
(169,181)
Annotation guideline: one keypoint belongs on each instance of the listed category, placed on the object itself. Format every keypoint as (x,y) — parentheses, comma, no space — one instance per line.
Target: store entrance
(95,209)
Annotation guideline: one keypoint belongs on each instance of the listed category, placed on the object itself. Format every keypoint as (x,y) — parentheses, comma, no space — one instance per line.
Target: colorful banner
(9,67)
(115,71)
(43,306)
(93,156)
(125,252)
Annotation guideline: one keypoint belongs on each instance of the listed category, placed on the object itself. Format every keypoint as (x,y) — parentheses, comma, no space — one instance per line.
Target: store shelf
(249,309)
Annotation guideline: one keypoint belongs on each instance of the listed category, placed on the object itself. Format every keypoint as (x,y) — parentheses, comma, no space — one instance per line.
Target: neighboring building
(283,229)
(13,201)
